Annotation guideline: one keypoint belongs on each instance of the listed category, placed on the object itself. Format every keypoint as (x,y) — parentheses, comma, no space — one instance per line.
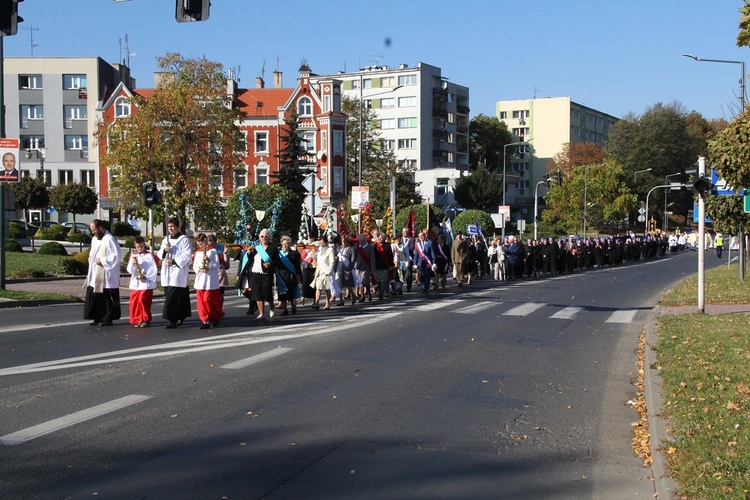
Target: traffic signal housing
(151,194)
(187,11)
(702,186)
(9,17)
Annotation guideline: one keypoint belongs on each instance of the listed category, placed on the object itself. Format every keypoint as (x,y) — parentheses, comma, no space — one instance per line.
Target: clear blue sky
(618,57)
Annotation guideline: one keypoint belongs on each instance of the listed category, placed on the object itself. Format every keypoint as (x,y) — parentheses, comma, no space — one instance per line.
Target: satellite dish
(321,154)
(445,85)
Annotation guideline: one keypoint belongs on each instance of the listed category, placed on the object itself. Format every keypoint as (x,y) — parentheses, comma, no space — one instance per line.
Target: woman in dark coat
(288,275)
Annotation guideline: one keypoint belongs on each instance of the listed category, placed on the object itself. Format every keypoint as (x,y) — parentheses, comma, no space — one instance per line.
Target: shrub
(56,233)
(23,274)
(14,231)
(129,242)
(67,266)
(124,229)
(13,246)
(76,237)
(52,248)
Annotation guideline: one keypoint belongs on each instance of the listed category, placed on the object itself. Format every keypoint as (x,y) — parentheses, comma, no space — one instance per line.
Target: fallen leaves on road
(642,441)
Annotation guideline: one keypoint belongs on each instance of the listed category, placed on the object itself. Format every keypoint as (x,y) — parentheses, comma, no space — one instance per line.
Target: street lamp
(665,225)
(29,154)
(361,117)
(635,175)
(585,187)
(742,74)
(536,205)
(522,143)
(649,194)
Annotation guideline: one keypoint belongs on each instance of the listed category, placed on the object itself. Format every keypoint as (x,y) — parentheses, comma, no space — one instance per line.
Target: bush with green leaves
(52,248)
(55,233)
(83,259)
(76,237)
(13,246)
(472,217)
(14,231)
(69,266)
(129,242)
(420,217)
(124,229)
(24,274)
(263,197)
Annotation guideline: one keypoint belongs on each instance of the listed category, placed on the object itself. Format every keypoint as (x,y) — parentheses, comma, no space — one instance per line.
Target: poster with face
(360,197)
(9,150)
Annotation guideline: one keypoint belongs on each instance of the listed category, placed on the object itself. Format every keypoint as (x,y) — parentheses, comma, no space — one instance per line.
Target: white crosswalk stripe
(622,316)
(569,312)
(523,309)
(475,308)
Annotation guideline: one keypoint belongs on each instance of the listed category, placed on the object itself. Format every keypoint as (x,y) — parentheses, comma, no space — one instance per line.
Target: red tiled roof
(270,100)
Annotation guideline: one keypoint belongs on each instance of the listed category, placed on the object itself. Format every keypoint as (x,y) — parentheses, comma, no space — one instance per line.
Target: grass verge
(703,361)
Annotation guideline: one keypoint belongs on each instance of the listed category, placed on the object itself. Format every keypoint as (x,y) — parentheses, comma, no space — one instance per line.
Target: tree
(472,217)
(607,197)
(184,135)
(75,197)
(727,213)
(293,157)
(479,190)
(743,38)
(280,206)
(575,154)
(379,165)
(487,136)
(31,194)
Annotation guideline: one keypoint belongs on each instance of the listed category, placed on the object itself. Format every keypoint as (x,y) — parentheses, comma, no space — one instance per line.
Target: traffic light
(151,195)
(702,186)
(9,17)
(187,11)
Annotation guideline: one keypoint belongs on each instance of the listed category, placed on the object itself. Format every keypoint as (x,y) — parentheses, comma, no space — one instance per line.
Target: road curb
(666,487)
(7,304)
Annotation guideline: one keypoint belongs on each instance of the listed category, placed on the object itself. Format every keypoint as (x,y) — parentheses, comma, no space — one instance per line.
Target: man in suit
(424,258)
(364,267)
(459,253)
(10,172)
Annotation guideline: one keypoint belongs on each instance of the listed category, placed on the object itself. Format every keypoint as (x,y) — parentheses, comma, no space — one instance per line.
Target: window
(261,142)
(74,82)
(407,143)
(388,144)
(522,186)
(407,102)
(32,141)
(324,140)
(520,131)
(122,107)
(338,142)
(388,123)
(240,178)
(442,186)
(326,103)
(74,113)
(261,173)
(367,83)
(407,80)
(388,81)
(64,176)
(31,112)
(304,107)
(503,115)
(449,157)
(338,179)
(408,164)
(355,84)
(388,102)
(88,178)
(521,114)
(77,142)
(308,139)
(451,138)
(45,175)
(451,118)
(407,122)
(29,81)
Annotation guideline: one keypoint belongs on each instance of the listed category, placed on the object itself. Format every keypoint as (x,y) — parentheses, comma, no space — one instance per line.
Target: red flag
(410,223)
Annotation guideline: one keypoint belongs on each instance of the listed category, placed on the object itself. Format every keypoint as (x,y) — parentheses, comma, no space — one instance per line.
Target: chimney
(259,83)
(231,84)
(278,81)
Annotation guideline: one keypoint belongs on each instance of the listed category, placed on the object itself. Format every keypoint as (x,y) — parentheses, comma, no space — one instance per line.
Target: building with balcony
(548,124)
(50,105)
(422,117)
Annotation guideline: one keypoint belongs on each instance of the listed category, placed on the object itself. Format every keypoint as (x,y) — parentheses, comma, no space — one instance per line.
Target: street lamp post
(521,143)
(743,87)
(536,205)
(585,194)
(665,225)
(40,154)
(635,175)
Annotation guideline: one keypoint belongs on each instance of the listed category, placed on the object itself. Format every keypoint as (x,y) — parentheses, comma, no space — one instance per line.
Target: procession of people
(277,275)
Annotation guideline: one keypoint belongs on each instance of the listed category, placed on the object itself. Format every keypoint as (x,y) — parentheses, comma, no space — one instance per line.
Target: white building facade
(547,124)
(422,117)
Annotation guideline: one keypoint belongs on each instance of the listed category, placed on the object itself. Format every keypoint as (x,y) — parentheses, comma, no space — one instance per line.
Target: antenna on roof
(536,90)
(377,59)
(32,29)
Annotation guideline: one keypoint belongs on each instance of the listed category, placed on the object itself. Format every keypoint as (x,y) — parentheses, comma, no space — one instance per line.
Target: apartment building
(266,110)
(50,105)
(547,124)
(422,117)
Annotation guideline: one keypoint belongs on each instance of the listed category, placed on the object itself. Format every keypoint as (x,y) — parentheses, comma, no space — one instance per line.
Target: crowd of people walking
(344,270)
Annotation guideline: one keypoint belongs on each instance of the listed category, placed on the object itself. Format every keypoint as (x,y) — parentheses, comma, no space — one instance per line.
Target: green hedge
(68,266)
(56,233)
(13,246)
(52,248)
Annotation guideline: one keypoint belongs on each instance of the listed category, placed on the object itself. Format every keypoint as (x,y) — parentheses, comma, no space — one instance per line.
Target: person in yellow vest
(719,244)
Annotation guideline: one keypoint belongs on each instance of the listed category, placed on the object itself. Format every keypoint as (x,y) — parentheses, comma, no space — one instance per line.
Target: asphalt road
(493,391)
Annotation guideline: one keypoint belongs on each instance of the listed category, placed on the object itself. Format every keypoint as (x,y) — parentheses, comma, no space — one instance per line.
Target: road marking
(257,358)
(260,336)
(432,305)
(569,312)
(475,308)
(523,309)
(622,316)
(37,326)
(74,418)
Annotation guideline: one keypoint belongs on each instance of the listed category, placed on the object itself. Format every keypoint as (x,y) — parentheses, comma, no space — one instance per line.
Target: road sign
(747,202)
(720,187)
(642,211)
(311,183)
(641,218)
(676,186)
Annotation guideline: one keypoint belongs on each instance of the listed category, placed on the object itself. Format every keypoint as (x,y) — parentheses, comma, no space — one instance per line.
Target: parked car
(49,223)
(80,227)
(22,224)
